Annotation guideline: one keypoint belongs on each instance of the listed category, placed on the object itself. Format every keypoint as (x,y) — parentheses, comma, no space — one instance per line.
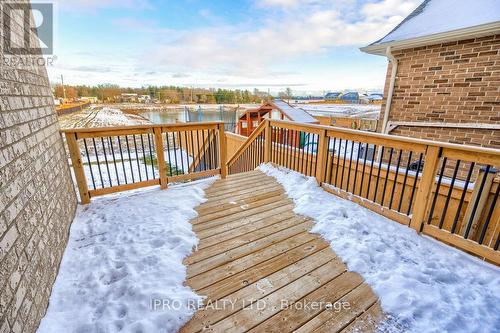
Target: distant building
(332,96)
(128,97)
(350,97)
(375,97)
(90,99)
(144,99)
(442,79)
(276,109)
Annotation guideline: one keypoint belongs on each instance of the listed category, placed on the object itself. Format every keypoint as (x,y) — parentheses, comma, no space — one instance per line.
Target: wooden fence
(234,142)
(447,191)
(71,107)
(108,160)
(349,122)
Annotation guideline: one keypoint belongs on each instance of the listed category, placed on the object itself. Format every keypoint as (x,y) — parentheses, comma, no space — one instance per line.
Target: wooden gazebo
(276,109)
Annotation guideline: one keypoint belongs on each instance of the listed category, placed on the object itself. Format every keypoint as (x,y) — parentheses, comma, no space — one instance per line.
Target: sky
(311,46)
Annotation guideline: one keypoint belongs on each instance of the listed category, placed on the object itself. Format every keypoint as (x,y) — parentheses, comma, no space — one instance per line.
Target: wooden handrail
(116,162)
(132,127)
(337,130)
(424,186)
(248,142)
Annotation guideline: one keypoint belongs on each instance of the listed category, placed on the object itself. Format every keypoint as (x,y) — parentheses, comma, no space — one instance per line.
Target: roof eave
(454,35)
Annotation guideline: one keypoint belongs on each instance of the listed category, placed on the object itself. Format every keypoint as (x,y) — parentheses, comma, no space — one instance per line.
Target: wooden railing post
(76,161)
(321,157)
(424,192)
(160,157)
(268,142)
(222,151)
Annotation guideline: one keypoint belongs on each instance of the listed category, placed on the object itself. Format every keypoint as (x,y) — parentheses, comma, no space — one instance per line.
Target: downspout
(394,70)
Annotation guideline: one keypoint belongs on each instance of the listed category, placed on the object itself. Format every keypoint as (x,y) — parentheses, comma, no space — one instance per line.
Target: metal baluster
(169,159)
(357,164)
(387,175)
(106,161)
(404,182)
(175,153)
(395,183)
(316,139)
(98,163)
(130,159)
(302,152)
(350,167)
(123,162)
(338,161)
(436,194)
(151,156)
(375,194)
(205,150)
(448,197)
(333,160)
(415,183)
(462,197)
(144,158)
(344,165)
(90,164)
(137,158)
(371,172)
(363,172)
(192,147)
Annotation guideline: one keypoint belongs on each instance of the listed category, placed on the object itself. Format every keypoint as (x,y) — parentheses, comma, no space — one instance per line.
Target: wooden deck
(256,255)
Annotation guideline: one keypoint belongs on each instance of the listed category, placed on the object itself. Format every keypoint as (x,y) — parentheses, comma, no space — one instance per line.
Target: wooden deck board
(256,255)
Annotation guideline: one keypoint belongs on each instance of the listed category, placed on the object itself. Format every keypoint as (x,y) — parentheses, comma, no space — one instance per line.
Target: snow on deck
(424,286)
(343,110)
(124,254)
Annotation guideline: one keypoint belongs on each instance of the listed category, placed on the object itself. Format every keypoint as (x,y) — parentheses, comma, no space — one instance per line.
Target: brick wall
(456,82)
(37,199)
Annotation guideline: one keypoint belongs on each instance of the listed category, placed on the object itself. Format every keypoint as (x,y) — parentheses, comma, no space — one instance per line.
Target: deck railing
(447,191)
(108,160)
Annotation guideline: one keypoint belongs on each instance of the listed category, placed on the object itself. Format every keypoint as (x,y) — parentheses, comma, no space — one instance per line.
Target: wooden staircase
(256,256)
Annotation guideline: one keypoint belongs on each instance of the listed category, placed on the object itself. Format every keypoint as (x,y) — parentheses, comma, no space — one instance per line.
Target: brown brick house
(443,77)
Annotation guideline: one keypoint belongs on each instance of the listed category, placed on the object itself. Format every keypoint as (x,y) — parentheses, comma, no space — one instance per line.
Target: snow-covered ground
(212,107)
(124,259)
(99,116)
(423,285)
(132,169)
(343,110)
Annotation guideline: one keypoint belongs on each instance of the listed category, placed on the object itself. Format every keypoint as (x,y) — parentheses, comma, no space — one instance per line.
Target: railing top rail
(249,140)
(138,127)
(332,129)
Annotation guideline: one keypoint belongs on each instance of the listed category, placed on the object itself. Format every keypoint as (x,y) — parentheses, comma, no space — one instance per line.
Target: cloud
(180,75)
(93,69)
(266,49)
(133,23)
(311,27)
(278,3)
(93,6)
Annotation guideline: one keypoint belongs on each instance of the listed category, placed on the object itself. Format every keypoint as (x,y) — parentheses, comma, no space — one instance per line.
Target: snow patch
(423,285)
(124,252)
(343,110)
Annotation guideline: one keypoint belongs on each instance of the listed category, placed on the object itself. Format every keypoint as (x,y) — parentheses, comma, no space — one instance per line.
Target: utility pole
(64,89)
